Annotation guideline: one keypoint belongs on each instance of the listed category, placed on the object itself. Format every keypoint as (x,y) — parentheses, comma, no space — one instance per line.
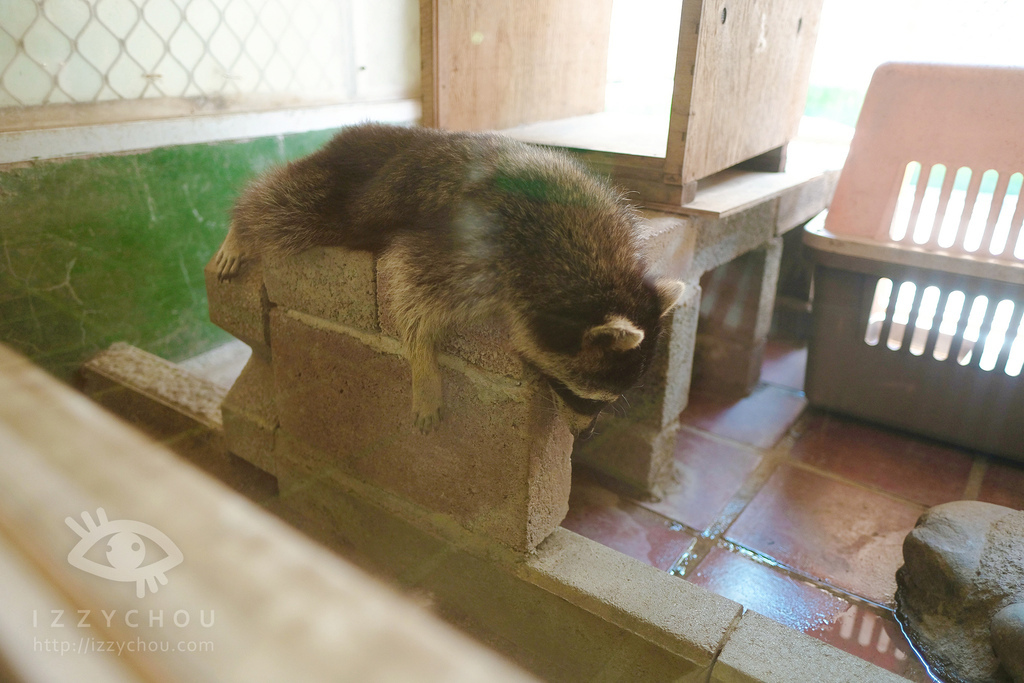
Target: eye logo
(125,551)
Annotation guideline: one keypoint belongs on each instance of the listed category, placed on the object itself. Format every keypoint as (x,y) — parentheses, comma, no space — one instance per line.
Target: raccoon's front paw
(229,263)
(229,257)
(427,419)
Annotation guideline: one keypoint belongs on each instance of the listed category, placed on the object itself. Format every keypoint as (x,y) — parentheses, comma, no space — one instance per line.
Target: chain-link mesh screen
(58,51)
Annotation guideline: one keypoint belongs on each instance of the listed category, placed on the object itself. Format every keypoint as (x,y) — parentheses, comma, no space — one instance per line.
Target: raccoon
(479,225)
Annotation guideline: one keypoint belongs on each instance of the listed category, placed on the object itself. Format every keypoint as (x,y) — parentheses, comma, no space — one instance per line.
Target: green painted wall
(112,248)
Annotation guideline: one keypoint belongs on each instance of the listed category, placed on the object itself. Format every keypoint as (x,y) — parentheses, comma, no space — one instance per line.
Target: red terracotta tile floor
(794,513)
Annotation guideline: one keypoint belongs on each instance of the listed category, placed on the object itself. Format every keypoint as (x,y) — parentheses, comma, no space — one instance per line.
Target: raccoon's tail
(307,203)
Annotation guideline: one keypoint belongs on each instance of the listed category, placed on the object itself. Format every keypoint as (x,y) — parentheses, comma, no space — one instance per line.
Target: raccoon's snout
(588,431)
(578,404)
(581,426)
(585,411)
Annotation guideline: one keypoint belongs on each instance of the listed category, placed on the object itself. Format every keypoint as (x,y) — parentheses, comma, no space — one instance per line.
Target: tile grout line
(707,540)
(692,557)
(797,575)
(723,440)
(714,535)
(784,387)
(799,464)
(771,459)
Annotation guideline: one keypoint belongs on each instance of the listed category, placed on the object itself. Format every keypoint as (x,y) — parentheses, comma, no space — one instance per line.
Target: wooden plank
(498,64)
(640,178)
(731,191)
(32,649)
(272,605)
(805,201)
(428,61)
(752,69)
(682,91)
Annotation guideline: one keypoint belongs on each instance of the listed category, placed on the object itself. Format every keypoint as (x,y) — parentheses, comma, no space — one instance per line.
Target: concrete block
(760,650)
(735,318)
(249,413)
(206,450)
(668,243)
(498,464)
(720,240)
(485,344)
(680,617)
(335,284)
(665,387)
(240,306)
(636,448)
(637,457)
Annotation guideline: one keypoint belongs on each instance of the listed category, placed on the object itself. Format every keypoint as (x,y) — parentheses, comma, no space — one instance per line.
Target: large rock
(961,591)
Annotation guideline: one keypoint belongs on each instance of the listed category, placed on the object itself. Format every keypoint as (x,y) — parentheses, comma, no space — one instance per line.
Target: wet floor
(796,514)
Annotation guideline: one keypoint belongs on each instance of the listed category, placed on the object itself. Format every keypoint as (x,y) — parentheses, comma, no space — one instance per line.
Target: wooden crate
(536,70)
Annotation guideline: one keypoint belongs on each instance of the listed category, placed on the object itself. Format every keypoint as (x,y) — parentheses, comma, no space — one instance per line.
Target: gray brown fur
(480,225)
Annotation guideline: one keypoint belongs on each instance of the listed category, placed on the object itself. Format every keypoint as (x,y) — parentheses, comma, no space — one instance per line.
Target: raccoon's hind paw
(427,420)
(427,392)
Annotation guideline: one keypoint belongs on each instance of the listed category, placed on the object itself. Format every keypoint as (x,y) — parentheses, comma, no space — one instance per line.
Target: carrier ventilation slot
(947,326)
(963,211)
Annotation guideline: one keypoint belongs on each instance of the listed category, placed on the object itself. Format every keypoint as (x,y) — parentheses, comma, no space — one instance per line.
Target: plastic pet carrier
(919,263)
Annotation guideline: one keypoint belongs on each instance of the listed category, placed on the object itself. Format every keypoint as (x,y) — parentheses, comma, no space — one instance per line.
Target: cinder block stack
(328,392)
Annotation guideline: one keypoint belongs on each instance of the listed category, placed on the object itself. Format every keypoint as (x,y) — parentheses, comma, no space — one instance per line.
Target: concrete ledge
(574,610)
(680,617)
(115,127)
(763,651)
(554,626)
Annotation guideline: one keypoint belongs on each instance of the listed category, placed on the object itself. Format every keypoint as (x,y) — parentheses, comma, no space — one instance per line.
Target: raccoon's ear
(618,334)
(669,293)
